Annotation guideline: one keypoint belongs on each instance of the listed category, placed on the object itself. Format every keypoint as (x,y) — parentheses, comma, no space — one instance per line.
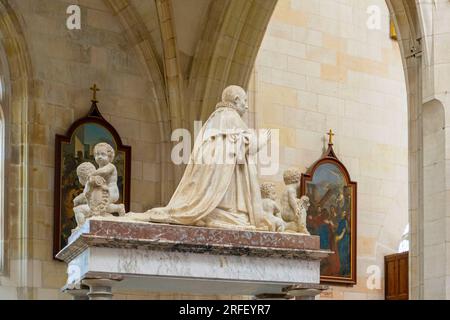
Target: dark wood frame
(94,116)
(330,157)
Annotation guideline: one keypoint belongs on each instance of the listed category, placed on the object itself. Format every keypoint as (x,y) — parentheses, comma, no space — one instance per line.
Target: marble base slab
(168,258)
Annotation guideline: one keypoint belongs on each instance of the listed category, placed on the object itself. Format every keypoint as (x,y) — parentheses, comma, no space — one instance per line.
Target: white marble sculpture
(272,212)
(220,187)
(81,208)
(304,206)
(100,192)
(104,156)
(294,210)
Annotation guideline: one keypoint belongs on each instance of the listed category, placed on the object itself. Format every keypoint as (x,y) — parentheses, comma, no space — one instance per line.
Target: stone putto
(100,192)
(272,212)
(294,210)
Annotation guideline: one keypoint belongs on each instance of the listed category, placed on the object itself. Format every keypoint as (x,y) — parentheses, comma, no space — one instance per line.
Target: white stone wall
(65,63)
(321,68)
(436,226)
(434,206)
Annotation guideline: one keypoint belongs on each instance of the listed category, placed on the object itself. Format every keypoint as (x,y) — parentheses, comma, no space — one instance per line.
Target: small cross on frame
(94,89)
(330,139)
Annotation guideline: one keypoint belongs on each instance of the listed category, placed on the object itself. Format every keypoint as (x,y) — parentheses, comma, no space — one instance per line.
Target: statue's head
(291,176)
(236,97)
(304,202)
(84,170)
(268,191)
(103,154)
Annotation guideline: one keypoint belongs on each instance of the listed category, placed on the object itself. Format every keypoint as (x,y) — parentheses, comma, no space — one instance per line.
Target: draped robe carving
(219,187)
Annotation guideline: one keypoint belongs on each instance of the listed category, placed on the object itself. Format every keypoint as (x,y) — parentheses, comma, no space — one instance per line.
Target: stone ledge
(130,235)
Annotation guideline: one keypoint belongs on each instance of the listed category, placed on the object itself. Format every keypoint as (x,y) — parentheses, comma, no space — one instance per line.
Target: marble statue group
(100,192)
(225,193)
(219,188)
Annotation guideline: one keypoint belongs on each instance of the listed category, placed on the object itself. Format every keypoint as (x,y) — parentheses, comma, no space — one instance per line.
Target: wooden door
(396,276)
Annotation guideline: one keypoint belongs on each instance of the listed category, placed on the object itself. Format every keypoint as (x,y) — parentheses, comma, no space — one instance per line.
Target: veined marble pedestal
(105,256)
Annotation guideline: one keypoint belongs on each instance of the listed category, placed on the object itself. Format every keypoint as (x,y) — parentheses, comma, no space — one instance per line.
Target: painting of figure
(331,217)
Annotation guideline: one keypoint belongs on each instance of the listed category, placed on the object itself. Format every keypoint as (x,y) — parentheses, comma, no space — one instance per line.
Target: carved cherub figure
(104,156)
(100,187)
(81,208)
(293,209)
(304,205)
(271,209)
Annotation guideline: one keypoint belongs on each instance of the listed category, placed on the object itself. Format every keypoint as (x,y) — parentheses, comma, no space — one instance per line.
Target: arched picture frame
(332,216)
(75,148)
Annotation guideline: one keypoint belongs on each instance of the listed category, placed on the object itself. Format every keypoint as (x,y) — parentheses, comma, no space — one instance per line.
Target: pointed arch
(409,29)
(18,93)
(227,51)
(139,36)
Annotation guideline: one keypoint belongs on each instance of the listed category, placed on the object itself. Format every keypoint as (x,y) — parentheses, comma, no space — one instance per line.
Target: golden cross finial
(94,90)
(330,135)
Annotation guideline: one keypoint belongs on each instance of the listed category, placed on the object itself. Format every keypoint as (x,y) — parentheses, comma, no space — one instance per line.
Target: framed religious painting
(332,216)
(77,147)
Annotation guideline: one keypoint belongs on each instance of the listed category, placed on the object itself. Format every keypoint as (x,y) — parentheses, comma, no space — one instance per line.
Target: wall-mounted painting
(75,148)
(332,216)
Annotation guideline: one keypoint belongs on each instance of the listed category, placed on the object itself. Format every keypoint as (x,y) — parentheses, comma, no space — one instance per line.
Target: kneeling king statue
(219,188)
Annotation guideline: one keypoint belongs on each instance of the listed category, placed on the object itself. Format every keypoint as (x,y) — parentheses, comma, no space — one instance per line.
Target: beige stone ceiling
(190,18)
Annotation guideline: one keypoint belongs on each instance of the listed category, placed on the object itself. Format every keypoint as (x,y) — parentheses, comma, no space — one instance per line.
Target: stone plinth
(168,258)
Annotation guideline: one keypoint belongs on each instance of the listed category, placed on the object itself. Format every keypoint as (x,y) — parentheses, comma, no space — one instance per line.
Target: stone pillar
(305,294)
(434,251)
(305,291)
(272,296)
(99,289)
(79,294)
(441,73)
(434,220)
